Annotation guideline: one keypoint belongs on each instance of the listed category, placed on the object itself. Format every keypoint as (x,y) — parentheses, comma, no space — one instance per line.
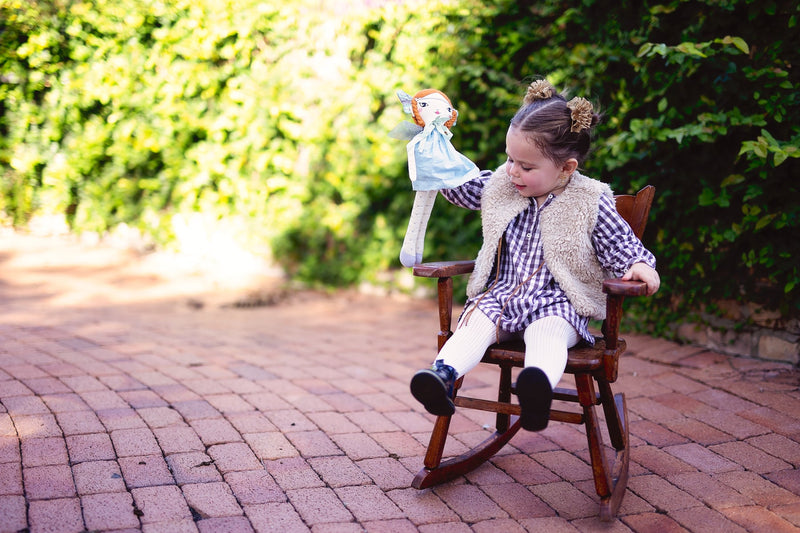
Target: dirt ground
(64,271)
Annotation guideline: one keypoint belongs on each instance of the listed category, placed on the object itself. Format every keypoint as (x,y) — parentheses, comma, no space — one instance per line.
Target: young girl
(550,236)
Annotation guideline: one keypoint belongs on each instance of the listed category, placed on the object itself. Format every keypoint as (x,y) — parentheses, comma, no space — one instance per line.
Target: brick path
(124,408)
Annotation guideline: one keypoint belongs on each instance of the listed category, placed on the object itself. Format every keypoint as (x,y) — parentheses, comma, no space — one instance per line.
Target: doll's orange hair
(415,108)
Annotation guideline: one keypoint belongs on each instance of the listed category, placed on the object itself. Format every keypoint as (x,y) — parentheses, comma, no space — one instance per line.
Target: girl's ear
(570,165)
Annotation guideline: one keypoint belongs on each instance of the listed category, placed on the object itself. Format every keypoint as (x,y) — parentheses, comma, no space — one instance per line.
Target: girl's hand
(643,272)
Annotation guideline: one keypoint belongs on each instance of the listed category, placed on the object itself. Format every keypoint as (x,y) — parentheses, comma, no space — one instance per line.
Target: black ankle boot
(433,388)
(535,397)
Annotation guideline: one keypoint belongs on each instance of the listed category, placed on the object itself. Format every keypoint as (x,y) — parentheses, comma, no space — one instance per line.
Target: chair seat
(582,358)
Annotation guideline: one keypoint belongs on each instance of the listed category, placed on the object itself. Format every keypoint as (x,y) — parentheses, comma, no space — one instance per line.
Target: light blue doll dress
(433,161)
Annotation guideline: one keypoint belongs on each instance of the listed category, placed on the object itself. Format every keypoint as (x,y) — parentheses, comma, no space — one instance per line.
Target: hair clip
(539,90)
(581,113)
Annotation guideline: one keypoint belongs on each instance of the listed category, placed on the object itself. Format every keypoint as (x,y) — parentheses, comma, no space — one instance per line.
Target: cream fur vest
(566,227)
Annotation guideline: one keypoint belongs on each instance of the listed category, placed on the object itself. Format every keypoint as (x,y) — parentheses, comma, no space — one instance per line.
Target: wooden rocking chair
(589,364)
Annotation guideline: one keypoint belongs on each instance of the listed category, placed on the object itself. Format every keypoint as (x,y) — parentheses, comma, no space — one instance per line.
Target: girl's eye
(423,104)
(526,169)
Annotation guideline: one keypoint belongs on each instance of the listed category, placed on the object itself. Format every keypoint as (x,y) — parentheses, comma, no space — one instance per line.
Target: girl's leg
(463,351)
(546,343)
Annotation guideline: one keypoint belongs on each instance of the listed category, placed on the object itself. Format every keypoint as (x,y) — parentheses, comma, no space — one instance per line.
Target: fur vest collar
(566,227)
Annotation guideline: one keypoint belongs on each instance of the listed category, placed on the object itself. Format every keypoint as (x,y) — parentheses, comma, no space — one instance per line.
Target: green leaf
(707,197)
(690,49)
(768,137)
(738,42)
(733,179)
(764,221)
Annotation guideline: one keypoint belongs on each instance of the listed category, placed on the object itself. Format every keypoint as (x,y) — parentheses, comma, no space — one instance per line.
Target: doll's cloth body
(414,241)
(433,161)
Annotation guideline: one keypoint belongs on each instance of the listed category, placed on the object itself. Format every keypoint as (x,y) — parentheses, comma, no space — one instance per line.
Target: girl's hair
(415,108)
(560,129)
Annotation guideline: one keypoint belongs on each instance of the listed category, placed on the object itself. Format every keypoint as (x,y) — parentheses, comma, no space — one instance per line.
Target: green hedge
(134,111)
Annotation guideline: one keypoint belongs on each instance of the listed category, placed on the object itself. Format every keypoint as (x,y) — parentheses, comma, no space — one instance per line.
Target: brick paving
(133,402)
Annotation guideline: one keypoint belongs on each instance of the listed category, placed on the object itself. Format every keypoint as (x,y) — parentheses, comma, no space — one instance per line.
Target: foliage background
(273,117)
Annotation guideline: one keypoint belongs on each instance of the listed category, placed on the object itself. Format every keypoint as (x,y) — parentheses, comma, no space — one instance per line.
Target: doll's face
(432,106)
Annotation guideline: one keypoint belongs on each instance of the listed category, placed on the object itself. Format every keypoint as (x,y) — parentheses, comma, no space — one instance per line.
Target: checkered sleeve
(469,194)
(616,245)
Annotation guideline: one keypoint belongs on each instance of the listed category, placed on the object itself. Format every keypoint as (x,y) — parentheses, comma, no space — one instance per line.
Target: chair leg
(600,468)
(433,456)
(610,480)
(503,420)
(615,417)
(619,474)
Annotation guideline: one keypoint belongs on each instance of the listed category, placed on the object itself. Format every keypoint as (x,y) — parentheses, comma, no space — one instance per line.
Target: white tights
(546,343)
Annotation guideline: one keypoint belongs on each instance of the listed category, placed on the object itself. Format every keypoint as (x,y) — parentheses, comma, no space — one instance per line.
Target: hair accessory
(581,112)
(539,90)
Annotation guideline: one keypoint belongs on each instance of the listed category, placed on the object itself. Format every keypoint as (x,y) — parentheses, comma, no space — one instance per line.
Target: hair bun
(582,112)
(539,90)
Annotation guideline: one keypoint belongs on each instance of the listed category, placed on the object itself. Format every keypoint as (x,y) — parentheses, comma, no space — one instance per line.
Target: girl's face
(533,174)
(432,106)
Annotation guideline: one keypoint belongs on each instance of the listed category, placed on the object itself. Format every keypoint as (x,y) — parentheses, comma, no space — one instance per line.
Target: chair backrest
(636,208)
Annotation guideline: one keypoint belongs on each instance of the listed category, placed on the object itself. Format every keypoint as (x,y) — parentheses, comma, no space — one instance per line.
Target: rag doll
(433,162)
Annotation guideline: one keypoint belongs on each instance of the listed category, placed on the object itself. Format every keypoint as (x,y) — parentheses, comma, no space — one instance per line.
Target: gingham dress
(515,301)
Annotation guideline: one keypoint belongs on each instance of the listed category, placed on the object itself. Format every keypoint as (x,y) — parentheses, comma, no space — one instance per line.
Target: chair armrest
(443,269)
(618,287)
